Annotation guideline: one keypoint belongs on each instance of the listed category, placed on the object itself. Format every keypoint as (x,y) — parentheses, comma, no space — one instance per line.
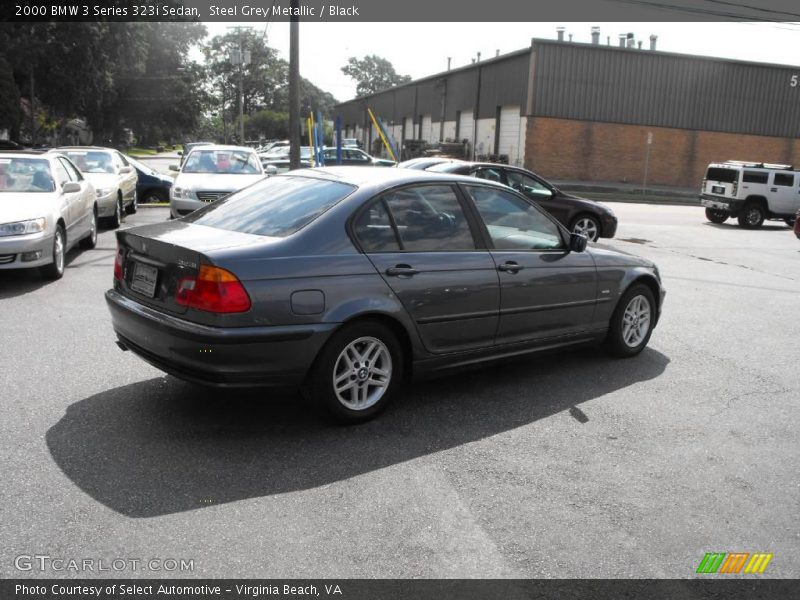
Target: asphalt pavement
(572,465)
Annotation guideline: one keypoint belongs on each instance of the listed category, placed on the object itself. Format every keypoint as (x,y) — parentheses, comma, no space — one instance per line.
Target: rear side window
(430,219)
(784,179)
(275,207)
(374,230)
(725,175)
(755,177)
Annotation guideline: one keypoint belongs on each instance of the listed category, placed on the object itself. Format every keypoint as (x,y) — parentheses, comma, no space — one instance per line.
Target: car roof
(225,147)
(381,177)
(93,148)
(12,153)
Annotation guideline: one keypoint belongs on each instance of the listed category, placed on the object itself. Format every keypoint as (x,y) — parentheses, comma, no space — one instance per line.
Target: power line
(704,11)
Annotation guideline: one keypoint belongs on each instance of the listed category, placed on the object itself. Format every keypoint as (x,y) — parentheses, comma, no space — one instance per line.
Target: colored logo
(732,562)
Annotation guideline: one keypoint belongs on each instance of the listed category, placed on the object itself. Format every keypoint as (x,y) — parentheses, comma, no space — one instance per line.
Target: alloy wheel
(588,227)
(362,373)
(636,321)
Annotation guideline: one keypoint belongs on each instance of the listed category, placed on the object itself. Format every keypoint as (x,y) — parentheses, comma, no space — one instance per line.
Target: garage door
(427,128)
(465,126)
(509,133)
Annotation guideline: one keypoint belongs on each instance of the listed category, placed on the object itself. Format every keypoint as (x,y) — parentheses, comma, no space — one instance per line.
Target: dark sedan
(348,281)
(151,186)
(579,215)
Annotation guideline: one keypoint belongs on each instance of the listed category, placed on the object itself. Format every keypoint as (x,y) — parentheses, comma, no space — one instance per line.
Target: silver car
(113,177)
(46,207)
(210,173)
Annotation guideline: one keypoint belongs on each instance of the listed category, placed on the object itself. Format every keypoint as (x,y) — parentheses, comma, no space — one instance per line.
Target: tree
(9,99)
(372,74)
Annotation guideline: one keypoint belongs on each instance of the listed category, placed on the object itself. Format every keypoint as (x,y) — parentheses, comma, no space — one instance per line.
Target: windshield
(89,161)
(29,175)
(141,166)
(228,162)
(274,207)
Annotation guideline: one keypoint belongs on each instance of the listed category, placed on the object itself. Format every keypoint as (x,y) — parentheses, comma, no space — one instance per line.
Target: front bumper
(179,207)
(13,247)
(727,204)
(278,356)
(107,204)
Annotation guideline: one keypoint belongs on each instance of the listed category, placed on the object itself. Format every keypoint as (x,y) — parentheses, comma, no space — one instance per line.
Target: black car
(347,281)
(151,186)
(579,215)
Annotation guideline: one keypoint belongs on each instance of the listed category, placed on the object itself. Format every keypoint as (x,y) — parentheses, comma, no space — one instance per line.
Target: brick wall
(593,151)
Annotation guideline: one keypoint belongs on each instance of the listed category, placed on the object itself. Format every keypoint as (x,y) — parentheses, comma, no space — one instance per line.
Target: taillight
(119,260)
(213,290)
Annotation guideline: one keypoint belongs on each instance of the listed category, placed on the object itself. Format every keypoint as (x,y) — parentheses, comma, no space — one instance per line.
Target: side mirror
(125,170)
(577,242)
(271,170)
(71,187)
(174,168)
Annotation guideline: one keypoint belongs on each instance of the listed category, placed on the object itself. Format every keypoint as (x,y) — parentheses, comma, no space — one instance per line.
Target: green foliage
(372,74)
(10,113)
(266,124)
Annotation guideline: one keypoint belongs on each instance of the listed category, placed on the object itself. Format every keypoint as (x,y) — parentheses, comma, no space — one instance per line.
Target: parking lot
(571,465)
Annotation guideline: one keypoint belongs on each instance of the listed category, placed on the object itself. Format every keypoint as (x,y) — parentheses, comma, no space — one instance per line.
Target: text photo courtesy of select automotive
(470,304)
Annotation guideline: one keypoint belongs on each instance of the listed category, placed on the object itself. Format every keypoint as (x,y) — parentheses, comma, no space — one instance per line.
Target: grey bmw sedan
(345,282)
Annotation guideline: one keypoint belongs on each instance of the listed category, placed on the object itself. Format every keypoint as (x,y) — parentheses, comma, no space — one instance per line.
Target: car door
(422,242)
(784,193)
(71,202)
(84,200)
(539,192)
(546,291)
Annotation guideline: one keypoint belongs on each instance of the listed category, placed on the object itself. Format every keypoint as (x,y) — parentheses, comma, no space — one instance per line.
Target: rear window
(275,207)
(726,175)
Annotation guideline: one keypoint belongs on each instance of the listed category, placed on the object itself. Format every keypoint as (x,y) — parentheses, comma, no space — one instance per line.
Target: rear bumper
(222,357)
(719,203)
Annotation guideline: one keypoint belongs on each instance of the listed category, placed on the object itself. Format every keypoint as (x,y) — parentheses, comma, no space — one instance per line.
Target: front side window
(430,219)
(513,223)
(490,174)
(527,185)
(276,207)
(227,162)
(74,175)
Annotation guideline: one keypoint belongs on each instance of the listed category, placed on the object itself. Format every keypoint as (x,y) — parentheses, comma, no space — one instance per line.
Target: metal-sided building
(592,112)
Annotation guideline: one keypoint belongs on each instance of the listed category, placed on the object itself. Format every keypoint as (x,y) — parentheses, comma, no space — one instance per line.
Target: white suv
(750,192)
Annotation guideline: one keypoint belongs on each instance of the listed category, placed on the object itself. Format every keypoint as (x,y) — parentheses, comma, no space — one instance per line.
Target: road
(573,465)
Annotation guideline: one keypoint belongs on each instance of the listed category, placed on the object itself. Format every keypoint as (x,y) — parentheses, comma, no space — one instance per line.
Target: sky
(420,49)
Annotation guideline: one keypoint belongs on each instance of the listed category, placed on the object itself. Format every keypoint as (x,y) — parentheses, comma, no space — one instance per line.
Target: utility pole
(241,57)
(294,87)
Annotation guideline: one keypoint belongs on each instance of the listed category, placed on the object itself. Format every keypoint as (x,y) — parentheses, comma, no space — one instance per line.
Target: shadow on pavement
(164,446)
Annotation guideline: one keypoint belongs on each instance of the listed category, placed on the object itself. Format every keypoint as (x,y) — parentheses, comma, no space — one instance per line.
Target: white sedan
(46,207)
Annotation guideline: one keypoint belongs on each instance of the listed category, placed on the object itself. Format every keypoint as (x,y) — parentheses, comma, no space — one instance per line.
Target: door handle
(773,189)
(401,270)
(509,267)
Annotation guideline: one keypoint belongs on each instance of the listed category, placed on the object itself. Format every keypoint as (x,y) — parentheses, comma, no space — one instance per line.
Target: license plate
(144,279)
(717,189)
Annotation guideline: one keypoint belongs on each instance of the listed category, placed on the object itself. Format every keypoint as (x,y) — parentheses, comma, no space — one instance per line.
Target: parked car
(277,159)
(351,143)
(349,280)
(356,157)
(210,173)
(46,208)
(750,192)
(113,177)
(423,162)
(579,215)
(272,145)
(151,185)
(187,148)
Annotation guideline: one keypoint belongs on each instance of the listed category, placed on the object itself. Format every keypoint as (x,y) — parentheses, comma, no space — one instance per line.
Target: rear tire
(55,270)
(357,373)
(133,206)
(632,322)
(90,241)
(752,216)
(116,219)
(789,221)
(717,216)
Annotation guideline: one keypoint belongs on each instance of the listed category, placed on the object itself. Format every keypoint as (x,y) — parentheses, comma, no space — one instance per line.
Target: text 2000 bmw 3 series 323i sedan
(347,281)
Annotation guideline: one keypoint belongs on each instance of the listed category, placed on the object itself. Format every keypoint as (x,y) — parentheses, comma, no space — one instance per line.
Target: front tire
(133,206)
(716,216)
(358,372)
(116,219)
(588,226)
(55,270)
(632,322)
(752,217)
